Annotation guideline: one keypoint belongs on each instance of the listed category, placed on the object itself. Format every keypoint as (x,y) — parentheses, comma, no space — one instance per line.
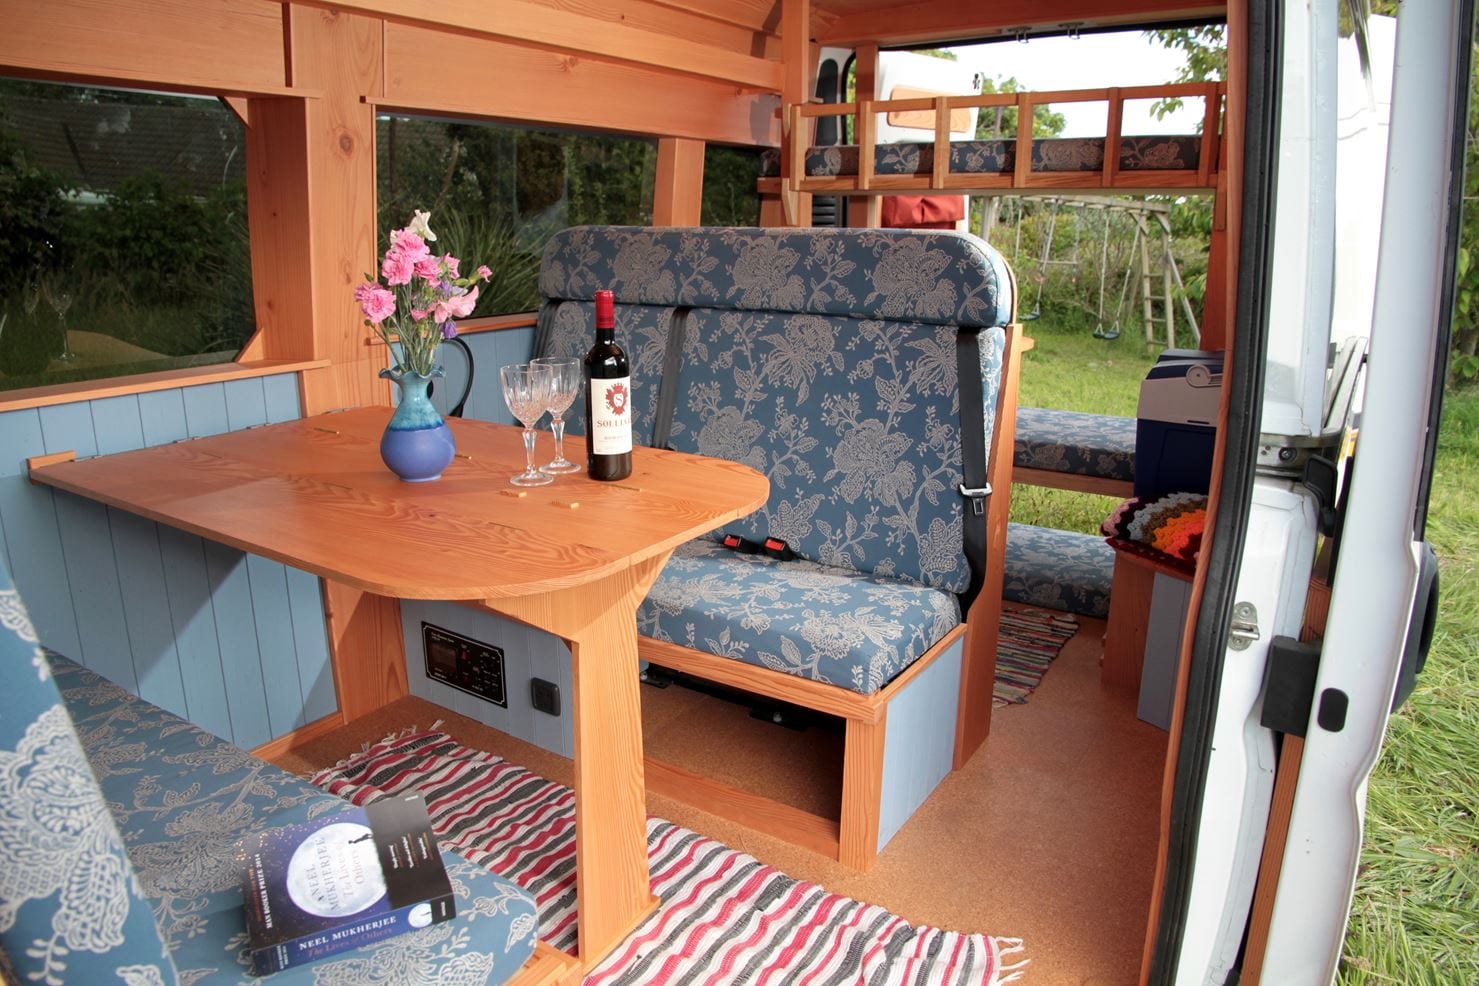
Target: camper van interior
(800,697)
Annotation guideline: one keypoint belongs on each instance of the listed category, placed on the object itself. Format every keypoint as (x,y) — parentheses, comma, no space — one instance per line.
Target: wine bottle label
(611,409)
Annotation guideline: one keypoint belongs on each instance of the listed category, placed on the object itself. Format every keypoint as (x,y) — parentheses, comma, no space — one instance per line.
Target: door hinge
(1243,629)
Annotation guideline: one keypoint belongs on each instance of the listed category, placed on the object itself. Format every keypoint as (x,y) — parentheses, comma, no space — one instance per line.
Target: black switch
(544,696)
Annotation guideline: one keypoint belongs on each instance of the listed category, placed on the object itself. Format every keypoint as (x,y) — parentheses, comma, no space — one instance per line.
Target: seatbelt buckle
(778,549)
(977,496)
(743,545)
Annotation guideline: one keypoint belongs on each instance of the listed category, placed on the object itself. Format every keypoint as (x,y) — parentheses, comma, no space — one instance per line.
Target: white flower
(419,225)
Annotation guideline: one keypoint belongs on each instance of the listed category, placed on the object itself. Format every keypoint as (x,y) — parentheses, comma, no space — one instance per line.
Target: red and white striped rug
(725,917)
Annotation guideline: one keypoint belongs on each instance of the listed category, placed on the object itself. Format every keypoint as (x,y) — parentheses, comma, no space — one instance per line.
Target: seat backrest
(70,905)
(825,358)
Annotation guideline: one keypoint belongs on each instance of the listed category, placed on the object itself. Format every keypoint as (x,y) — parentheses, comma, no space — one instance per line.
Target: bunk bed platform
(1071,450)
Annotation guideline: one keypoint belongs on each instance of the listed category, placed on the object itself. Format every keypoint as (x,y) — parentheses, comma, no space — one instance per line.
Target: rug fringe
(393,736)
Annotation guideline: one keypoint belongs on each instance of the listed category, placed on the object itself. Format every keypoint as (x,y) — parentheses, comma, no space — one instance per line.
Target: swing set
(1160,284)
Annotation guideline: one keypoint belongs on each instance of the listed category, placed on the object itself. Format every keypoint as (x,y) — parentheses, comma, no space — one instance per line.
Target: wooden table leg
(599,621)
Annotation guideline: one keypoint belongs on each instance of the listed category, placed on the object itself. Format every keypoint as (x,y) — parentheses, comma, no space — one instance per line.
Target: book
(341,881)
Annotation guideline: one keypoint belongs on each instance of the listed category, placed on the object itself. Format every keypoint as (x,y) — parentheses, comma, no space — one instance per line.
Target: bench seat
(1099,446)
(181,797)
(1061,570)
(832,625)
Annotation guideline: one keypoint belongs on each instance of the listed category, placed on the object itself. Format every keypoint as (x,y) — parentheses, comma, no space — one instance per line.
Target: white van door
(1383,586)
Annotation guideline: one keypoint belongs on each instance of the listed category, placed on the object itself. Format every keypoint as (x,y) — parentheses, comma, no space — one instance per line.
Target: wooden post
(865,211)
(795,90)
(1147,305)
(679,188)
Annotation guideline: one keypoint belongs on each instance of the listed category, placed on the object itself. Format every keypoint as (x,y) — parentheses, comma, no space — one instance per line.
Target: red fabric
(922,211)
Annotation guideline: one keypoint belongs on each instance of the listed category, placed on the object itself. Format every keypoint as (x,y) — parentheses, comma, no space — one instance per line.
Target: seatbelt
(543,326)
(973,452)
(672,363)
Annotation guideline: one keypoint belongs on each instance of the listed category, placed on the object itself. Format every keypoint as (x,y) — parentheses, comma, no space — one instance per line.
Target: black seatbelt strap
(544,326)
(973,452)
(672,363)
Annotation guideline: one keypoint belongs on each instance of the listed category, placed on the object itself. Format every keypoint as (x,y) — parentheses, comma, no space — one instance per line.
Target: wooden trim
(144,383)
(579,34)
(1053,479)
(366,648)
(274,750)
(783,821)
(796,92)
(548,966)
(42,461)
(1129,624)
(862,792)
(1112,137)
(941,163)
(473,326)
(787,688)
(866,143)
(935,22)
(978,661)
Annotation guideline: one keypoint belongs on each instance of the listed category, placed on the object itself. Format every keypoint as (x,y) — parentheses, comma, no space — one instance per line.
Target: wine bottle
(608,399)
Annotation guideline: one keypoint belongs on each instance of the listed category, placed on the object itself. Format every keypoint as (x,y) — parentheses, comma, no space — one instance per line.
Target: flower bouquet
(414,310)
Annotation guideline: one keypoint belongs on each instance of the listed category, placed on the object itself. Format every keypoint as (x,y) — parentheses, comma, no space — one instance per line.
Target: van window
(730,194)
(123,233)
(497,193)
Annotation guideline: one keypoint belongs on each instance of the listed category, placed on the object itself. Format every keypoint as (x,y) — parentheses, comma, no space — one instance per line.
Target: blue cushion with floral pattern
(1061,570)
(832,625)
(71,909)
(1100,445)
(183,797)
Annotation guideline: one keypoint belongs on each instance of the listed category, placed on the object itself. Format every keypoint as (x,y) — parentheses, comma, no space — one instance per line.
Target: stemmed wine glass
(526,389)
(60,298)
(566,376)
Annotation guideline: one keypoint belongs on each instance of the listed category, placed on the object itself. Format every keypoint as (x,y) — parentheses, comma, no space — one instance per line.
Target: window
(730,196)
(123,233)
(498,193)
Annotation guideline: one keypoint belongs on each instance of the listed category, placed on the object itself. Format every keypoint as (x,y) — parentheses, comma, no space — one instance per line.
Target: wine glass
(59,296)
(526,390)
(566,376)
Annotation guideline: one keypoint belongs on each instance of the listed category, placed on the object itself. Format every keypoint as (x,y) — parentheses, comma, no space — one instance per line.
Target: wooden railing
(799,116)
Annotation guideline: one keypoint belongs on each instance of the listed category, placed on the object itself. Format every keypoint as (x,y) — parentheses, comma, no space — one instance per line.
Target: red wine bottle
(608,399)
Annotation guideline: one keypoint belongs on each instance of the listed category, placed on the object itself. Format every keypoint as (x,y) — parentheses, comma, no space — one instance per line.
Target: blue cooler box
(1176,423)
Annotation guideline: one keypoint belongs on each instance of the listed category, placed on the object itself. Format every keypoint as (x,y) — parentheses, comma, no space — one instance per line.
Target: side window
(123,233)
(501,192)
(730,198)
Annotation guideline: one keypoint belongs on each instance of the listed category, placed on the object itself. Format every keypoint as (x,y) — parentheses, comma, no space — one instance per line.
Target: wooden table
(574,558)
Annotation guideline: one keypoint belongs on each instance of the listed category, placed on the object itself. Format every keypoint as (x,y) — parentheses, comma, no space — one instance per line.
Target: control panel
(466,664)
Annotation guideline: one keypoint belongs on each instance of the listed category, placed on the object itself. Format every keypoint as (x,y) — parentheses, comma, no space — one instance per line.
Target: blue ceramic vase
(417,444)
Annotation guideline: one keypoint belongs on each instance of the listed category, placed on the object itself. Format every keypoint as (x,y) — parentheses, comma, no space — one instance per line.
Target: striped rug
(1028,642)
(724,917)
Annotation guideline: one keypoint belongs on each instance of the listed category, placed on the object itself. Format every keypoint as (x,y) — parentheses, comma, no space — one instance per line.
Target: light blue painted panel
(205,410)
(311,643)
(87,549)
(526,653)
(281,395)
(192,614)
(20,438)
(35,551)
(163,415)
(151,634)
(117,425)
(919,744)
(246,405)
(69,427)
(1170,598)
(279,654)
(241,660)
(486,397)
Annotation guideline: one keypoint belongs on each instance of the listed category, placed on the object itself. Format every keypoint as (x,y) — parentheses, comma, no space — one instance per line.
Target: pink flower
(484,272)
(457,306)
(406,242)
(417,314)
(397,268)
(376,302)
(451,263)
(429,268)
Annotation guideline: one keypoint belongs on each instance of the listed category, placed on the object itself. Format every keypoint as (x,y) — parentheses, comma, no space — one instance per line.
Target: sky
(1089,62)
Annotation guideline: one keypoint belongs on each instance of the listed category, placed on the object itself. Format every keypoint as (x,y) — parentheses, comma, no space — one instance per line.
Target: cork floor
(1048,834)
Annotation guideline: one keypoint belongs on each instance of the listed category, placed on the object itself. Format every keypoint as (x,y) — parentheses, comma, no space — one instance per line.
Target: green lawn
(1416,913)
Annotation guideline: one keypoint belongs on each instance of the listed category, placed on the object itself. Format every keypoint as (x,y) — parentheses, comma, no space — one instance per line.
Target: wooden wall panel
(221,46)
(679,187)
(234,643)
(470,76)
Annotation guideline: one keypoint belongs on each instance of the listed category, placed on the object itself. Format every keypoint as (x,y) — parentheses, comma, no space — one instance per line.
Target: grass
(1415,918)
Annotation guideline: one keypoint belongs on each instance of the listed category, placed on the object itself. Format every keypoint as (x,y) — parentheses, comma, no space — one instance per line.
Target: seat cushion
(183,797)
(1100,445)
(1061,570)
(833,625)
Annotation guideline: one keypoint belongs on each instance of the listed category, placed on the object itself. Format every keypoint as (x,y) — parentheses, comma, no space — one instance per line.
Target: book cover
(341,881)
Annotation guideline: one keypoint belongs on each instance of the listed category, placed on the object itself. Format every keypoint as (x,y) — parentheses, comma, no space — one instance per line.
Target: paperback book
(341,881)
